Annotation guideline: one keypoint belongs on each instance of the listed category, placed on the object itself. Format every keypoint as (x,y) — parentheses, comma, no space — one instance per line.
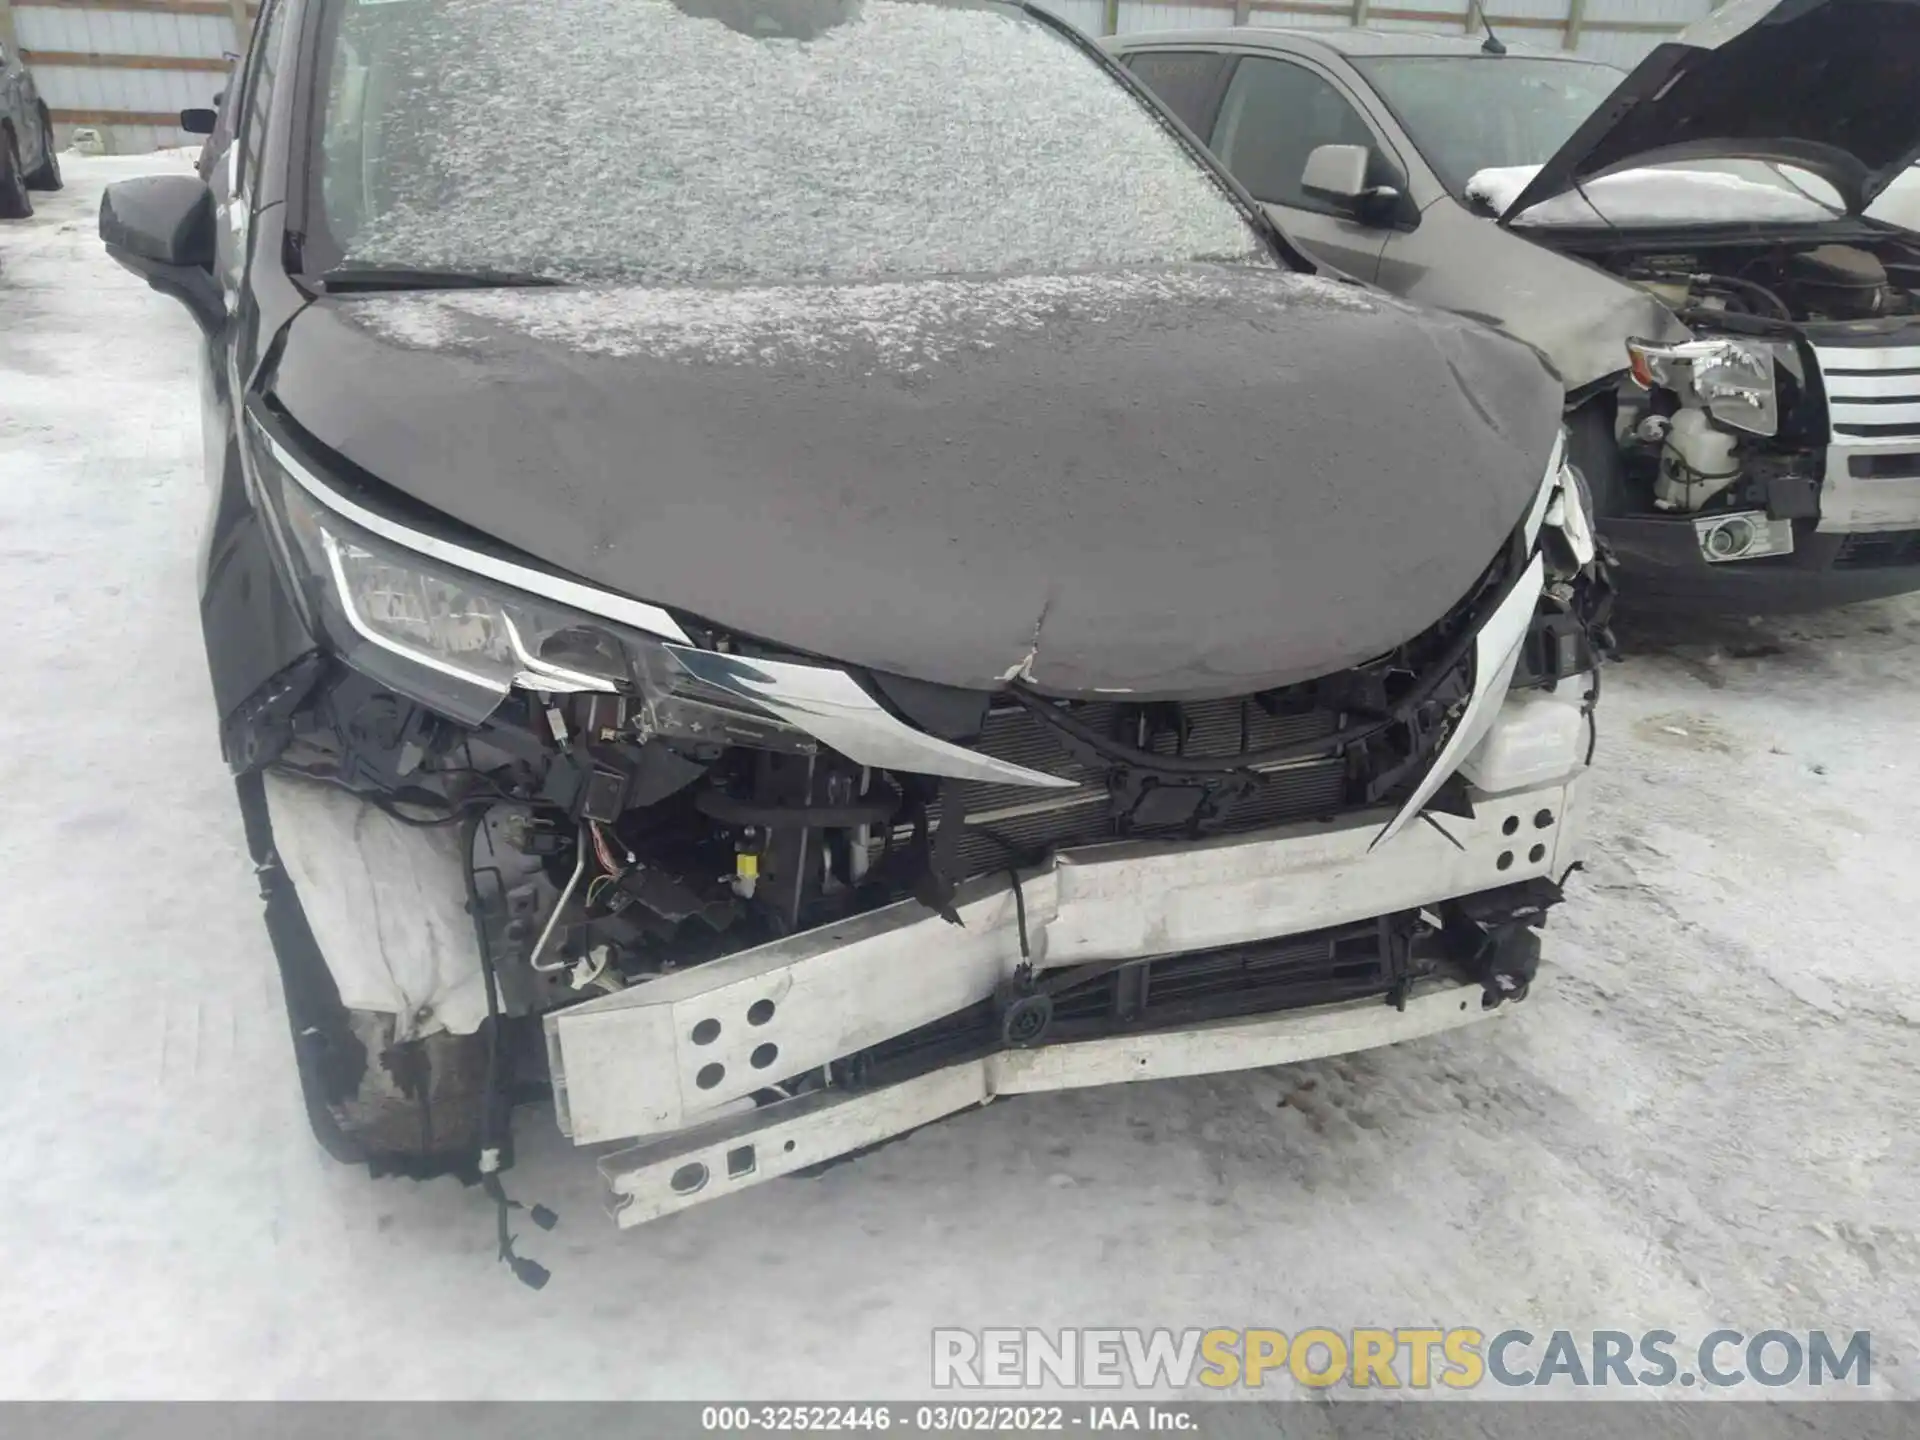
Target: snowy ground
(1709,1119)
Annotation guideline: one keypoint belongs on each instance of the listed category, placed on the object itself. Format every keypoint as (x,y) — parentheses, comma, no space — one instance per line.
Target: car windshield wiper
(349,278)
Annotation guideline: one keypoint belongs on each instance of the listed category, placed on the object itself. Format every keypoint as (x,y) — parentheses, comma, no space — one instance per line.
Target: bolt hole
(1537,854)
(1543,820)
(788,1147)
(706,1032)
(764,1055)
(760,1012)
(740,1162)
(712,1075)
(1510,824)
(1505,862)
(688,1178)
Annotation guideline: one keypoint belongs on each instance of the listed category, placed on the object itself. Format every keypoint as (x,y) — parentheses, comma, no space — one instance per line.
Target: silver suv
(1739,341)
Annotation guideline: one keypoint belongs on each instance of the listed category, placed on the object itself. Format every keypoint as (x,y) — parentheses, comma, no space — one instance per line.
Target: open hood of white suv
(1827,86)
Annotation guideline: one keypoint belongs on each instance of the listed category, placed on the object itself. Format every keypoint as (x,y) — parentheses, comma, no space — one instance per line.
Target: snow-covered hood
(1648,197)
(1189,481)
(1824,85)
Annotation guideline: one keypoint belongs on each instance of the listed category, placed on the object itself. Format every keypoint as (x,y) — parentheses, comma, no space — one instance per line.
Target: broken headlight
(457,641)
(1732,379)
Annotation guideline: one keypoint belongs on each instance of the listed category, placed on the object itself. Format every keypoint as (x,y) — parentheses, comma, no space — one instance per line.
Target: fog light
(1746,536)
(1729,541)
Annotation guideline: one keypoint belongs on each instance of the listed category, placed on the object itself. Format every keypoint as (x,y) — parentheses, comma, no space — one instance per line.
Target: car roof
(1340,40)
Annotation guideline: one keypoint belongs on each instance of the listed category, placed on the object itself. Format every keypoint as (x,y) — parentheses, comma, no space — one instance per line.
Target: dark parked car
(833,568)
(29,158)
(1688,245)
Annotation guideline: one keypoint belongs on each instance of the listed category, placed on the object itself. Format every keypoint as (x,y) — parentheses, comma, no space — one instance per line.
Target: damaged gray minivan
(779,622)
(1689,245)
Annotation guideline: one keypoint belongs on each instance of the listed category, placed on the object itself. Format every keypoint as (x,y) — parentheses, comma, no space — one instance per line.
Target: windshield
(743,141)
(1468,113)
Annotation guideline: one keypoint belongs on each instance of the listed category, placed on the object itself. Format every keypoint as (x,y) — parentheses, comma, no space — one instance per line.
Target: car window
(1276,114)
(739,141)
(1187,82)
(1468,113)
(263,60)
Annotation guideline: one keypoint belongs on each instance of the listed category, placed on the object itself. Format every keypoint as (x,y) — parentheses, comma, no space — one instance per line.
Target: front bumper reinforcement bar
(688,1048)
(729,1154)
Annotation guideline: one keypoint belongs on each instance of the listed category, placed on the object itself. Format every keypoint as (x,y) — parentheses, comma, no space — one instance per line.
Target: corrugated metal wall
(126,68)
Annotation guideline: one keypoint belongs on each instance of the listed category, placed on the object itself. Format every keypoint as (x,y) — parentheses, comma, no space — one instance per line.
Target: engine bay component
(1840,282)
(1696,462)
(1775,422)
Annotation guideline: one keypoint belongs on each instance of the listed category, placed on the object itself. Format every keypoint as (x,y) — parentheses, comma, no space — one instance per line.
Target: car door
(1275,112)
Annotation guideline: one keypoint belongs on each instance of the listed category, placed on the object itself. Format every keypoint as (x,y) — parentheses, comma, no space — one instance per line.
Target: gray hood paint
(1194,482)
(1576,314)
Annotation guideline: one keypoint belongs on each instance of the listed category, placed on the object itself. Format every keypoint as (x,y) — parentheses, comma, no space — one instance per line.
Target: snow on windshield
(746,141)
(898,327)
(1649,197)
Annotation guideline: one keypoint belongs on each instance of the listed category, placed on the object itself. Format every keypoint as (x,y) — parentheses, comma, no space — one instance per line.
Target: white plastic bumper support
(673,1052)
(727,1155)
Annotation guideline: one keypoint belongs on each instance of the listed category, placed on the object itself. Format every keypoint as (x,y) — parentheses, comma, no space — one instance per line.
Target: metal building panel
(1623,48)
(1139,15)
(1087,15)
(1282,21)
(1677,13)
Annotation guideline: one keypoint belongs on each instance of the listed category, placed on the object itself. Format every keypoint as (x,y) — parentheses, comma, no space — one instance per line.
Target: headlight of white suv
(1732,379)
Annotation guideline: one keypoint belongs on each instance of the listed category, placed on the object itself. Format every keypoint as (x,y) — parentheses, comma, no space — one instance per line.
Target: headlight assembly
(1732,379)
(415,612)
(457,641)
(450,640)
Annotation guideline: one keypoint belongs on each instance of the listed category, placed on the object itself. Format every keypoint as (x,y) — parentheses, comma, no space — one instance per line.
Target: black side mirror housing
(161,227)
(1381,205)
(201,122)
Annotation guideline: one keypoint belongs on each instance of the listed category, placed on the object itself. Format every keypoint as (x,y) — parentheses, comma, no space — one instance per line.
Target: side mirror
(1339,173)
(200,122)
(161,227)
(1336,172)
